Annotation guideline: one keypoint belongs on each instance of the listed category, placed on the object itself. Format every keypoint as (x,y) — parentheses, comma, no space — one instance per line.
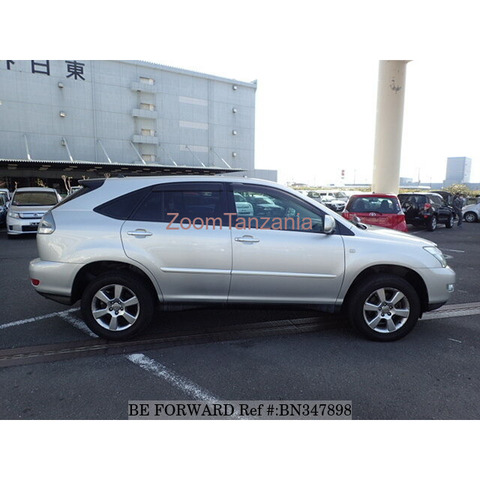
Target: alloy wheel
(386,310)
(115,307)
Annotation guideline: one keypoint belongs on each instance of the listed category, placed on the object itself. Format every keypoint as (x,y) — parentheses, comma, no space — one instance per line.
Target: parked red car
(379,209)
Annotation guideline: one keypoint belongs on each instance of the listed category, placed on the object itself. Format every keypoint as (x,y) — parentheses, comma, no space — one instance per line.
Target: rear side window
(122,207)
(176,202)
(413,199)
(437,201)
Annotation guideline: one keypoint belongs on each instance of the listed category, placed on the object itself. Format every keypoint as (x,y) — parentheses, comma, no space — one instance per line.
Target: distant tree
(460,188)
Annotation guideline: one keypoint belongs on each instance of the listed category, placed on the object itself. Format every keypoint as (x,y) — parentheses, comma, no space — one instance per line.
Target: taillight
(46,225)
(35,282)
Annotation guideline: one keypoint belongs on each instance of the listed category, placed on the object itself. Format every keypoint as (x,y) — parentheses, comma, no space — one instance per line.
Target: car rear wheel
(384,308)
(470,217)
(117,306)
(432,223)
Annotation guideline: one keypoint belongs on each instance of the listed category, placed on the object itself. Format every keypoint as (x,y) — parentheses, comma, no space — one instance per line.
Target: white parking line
(35,319)
(161,371)
(77,323)
(151,366)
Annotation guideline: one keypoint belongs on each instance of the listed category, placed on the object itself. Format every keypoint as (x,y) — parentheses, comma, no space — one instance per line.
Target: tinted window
(176,203)
(437,200)
(413,199)
(374,204)
(122,207)
(268,209)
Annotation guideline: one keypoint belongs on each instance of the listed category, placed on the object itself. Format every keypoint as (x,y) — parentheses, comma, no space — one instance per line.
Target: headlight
(13,214)
(437,253)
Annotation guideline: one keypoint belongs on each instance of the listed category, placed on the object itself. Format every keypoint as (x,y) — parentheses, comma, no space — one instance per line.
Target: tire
(117,306)
(432,223)
(470,217)
(450,222)
(384,308)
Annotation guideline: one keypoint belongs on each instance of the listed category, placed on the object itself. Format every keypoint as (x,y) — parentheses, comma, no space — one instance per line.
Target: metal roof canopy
(76,169)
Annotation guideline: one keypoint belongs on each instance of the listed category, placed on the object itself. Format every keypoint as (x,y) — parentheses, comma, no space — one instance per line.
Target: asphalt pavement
(250,355)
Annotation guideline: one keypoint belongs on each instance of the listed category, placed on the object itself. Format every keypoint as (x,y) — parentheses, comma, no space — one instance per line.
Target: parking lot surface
(52,367)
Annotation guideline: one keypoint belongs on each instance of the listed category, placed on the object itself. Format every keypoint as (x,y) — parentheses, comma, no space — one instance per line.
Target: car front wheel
(450,222)
(384,308)
(117,306)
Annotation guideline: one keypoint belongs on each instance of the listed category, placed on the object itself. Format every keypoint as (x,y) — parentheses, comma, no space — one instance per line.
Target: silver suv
(124,246)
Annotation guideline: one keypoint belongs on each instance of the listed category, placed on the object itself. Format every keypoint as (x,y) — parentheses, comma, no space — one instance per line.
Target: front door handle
(247,239)
(140,233)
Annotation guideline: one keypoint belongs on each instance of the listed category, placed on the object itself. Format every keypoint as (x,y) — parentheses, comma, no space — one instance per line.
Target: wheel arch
(94,269)
(403,272)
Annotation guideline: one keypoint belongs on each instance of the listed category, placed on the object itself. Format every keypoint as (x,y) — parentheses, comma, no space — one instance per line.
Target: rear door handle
(247,239)
(140,233)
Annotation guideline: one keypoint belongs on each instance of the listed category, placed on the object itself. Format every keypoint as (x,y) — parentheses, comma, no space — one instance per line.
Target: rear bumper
(53,280)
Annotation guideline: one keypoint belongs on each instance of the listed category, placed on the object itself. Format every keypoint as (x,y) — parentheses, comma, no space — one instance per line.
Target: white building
(87,118)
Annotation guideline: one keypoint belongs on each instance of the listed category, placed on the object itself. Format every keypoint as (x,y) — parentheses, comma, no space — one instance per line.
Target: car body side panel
(362,253)
(286,266)
(190,264)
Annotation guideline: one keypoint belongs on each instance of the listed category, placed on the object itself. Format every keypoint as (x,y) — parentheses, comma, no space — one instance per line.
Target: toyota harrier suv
(125,246)
(426,209)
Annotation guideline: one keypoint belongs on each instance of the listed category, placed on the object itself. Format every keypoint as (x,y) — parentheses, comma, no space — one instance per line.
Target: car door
(279,254)
(176,233)
(443,211)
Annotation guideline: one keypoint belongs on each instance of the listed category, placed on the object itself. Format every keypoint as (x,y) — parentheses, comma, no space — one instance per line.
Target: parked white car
(27,207)
(6,192)
(471,213)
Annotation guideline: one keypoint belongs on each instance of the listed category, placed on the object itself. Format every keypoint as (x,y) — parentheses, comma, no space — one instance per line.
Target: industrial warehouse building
(77,118)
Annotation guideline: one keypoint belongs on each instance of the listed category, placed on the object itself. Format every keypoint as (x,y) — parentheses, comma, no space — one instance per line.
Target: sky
(316,64)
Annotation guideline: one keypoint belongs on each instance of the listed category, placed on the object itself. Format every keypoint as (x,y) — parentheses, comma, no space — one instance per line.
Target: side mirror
(329,225)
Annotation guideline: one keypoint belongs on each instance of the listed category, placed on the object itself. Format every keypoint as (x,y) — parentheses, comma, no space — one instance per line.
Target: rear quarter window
(121,208)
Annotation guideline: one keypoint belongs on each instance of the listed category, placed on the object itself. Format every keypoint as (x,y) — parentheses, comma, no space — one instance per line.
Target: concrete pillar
(388,132)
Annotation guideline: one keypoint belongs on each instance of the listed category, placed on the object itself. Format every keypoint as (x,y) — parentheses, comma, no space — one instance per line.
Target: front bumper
(440,284)
(18,226)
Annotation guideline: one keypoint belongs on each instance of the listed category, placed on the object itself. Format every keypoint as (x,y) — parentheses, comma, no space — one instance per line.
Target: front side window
(258,208)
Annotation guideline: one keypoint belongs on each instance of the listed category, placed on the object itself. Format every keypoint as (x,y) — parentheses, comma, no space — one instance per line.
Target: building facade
(458,170)
(139,115)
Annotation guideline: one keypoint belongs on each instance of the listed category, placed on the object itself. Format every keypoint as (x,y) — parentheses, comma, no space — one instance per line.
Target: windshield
(34,199)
